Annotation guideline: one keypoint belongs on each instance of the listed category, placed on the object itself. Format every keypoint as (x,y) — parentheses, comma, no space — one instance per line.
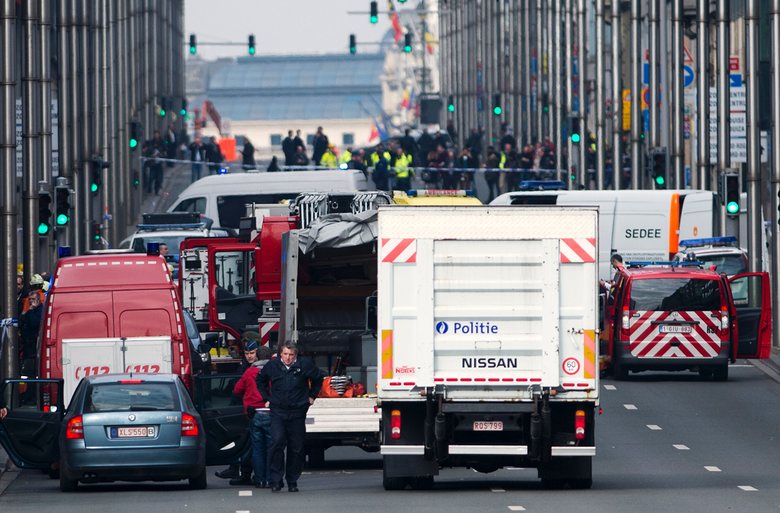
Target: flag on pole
(398,31)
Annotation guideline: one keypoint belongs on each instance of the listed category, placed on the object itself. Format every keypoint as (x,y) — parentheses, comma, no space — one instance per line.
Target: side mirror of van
(371,313)
(211,339)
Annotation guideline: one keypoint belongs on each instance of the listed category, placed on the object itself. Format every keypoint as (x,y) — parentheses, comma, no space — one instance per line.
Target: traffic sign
(735,80)
(688,76)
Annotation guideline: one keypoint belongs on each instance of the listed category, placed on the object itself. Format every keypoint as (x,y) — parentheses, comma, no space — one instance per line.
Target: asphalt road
(666,443)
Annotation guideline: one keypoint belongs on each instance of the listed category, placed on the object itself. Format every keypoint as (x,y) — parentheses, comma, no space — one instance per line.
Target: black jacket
(290,389)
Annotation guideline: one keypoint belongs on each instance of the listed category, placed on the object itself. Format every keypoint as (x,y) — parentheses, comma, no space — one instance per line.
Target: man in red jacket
(259,418)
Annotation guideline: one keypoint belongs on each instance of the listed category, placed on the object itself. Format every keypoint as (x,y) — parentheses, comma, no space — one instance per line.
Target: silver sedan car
(132,427)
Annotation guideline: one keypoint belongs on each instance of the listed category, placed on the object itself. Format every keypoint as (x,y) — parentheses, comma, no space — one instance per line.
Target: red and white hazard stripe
(265,331)
(578,251)
(398,251)
(647,341)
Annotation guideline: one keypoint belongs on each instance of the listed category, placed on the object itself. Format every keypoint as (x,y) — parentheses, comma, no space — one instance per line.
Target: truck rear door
(752,301)
(480,313)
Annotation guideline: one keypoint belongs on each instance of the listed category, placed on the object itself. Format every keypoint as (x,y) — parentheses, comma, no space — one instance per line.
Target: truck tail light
(395,424)
(75,429)
(724,318)
(189,426)
(626,316)
(579,424)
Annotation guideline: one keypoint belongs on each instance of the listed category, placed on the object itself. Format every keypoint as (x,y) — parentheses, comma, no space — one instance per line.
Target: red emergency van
(678,316)
(113,312)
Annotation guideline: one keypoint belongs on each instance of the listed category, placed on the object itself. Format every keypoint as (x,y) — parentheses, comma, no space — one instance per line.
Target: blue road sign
(735,80)
(688,76)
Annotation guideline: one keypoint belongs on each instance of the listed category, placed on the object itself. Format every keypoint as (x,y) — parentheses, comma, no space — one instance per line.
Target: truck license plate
(494,425)
(675,328)
(134,432)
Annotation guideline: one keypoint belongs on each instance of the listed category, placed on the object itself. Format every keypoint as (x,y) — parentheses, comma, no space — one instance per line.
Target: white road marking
(747,488)
(629,407)
(245,493)
(710,468)
(498,490)
(654,427)
(242,511)
(740,365)
(681,447)
(610,387)
(516,508)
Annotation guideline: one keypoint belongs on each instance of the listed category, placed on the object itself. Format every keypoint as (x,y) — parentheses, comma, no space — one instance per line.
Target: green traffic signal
(575,138)
(133,143)
(43,228)
(732,207)
(451,107)
(373,19)
(497,110)
(660,180)
(162,112)
(62,219)
(93,187)
(374,14)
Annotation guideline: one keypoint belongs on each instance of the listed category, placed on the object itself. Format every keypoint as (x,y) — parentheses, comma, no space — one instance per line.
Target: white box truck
(487,341)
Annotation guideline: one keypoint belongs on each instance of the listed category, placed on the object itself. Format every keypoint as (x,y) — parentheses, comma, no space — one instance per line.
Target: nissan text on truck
(487,322)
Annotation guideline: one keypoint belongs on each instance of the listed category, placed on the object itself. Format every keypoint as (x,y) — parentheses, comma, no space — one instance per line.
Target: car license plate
(493,425)
(133,432)
(675,328)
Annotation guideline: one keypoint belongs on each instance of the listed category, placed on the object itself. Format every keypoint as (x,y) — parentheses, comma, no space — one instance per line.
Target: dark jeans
(261,442)
(288,430)
(155,178)
(196,168)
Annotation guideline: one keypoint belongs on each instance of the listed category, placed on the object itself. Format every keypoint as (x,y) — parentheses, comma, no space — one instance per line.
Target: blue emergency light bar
(709,241)
(542,185)
(686,263)
(64,251)
(152,248)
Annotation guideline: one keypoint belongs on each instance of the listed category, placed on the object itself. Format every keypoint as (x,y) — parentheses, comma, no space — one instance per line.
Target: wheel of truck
(421,482)
(721,373)
(316,456)
(393,483)
(619,371)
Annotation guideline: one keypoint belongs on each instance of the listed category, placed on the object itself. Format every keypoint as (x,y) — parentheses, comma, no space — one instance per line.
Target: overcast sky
(282,26)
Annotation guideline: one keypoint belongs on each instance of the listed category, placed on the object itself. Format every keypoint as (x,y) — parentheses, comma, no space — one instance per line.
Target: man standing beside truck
(291,385)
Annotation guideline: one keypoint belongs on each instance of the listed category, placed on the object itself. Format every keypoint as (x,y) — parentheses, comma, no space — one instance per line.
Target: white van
(223,198)
(639,225)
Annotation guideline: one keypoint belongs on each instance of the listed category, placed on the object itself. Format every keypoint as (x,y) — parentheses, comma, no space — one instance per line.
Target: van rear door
(752,301)
(233,303)
(675,318)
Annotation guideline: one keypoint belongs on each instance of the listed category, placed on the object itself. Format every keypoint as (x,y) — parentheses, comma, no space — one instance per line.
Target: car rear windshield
(667,294)
(131,397)
(729,264)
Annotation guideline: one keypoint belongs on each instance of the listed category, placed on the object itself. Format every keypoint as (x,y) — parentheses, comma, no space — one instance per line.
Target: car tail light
(724,318)
(75,429)
(579,424)
(395,424)
(189,426)
(130,381)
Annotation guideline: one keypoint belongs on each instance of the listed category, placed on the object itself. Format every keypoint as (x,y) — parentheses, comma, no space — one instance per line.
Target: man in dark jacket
(288,148)
(320,146)
(291,385)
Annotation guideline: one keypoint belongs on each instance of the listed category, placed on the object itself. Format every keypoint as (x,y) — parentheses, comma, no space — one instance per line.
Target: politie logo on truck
(467,328)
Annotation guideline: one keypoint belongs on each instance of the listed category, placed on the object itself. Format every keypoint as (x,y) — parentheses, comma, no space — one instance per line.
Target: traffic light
(576,136)
(658,167)
(374,16)
(97,165)
(44,213)
(731,191)
(408,42)
(193,44)
(163,106)
(62,196)
(135,134)
(136,180)
(97,233)
(497,110)
(352,44)
(451,103)
(401,1)
(251,44)
(183,109)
